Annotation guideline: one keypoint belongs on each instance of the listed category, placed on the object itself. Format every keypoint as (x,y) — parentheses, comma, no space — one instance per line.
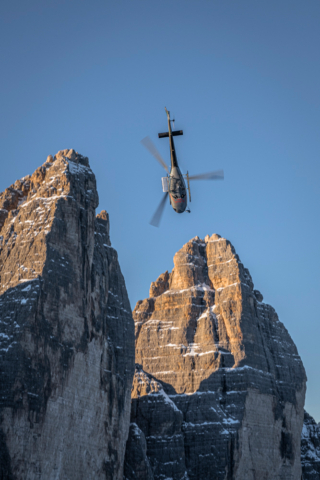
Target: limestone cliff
(66,330)
(310,448)
(160,425)
(228,367)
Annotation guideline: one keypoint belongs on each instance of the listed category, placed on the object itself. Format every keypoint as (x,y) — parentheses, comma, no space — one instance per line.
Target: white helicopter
(174,183)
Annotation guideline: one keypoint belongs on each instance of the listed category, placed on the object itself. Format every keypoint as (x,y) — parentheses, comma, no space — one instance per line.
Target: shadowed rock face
(227,364)
(310,448)
(136,463)
(66,330)
(158,419)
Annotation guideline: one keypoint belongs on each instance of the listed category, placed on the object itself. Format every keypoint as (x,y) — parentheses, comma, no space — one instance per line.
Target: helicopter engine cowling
(177,190)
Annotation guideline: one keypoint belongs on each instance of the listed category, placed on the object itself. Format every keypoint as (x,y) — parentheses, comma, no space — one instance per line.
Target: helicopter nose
(179,204)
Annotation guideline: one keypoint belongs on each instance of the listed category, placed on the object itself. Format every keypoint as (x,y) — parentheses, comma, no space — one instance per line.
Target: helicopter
(174,184)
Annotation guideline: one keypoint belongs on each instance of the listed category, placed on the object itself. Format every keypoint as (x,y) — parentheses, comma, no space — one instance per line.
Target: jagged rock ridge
(66,329)
(226,363)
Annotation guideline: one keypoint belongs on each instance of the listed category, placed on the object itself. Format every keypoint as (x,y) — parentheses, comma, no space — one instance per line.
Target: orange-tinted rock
(160,285)
(227,363)
(66,330)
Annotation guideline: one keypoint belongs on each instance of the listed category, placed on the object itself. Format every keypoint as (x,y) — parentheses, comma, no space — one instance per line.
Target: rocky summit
(66,330)
(217,390)
(219,386)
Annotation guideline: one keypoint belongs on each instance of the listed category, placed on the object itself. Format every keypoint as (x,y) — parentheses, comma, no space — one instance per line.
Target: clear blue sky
(242,79)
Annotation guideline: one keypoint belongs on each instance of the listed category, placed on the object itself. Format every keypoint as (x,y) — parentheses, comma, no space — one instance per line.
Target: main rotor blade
(147,142)
(155,220)
(218,175)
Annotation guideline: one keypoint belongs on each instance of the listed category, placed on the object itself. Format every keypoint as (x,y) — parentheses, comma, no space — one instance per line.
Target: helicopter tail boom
(174,134)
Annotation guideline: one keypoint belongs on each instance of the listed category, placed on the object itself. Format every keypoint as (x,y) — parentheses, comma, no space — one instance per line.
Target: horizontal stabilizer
(174,134)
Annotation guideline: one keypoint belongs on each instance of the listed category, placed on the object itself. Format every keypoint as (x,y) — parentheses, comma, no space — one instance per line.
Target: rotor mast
(174,162)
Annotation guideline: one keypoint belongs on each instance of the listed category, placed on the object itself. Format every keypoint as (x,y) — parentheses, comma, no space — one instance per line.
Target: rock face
(158,418)
(227,364)
(310,448)
(137,464)
(66,330)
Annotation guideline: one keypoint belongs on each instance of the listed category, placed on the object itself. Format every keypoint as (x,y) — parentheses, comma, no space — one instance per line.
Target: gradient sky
(242,80)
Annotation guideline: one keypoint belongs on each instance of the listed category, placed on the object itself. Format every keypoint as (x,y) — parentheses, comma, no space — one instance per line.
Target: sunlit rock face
(66,330)
(228,365)
(310,448)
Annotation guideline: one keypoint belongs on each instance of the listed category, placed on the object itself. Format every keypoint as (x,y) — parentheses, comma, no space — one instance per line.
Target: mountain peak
(66,329)
(227,363)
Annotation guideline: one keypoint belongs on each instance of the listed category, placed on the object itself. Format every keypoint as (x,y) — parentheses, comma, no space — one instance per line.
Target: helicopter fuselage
(177,190)
(177,186)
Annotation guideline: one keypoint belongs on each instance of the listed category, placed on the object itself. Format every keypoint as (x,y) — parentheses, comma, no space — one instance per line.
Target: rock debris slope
(219,389)
(310,448)
(66,330)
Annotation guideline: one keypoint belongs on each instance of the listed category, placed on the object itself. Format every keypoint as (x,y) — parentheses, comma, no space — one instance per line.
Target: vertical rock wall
(310,448)
(227,364)
(66,330)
